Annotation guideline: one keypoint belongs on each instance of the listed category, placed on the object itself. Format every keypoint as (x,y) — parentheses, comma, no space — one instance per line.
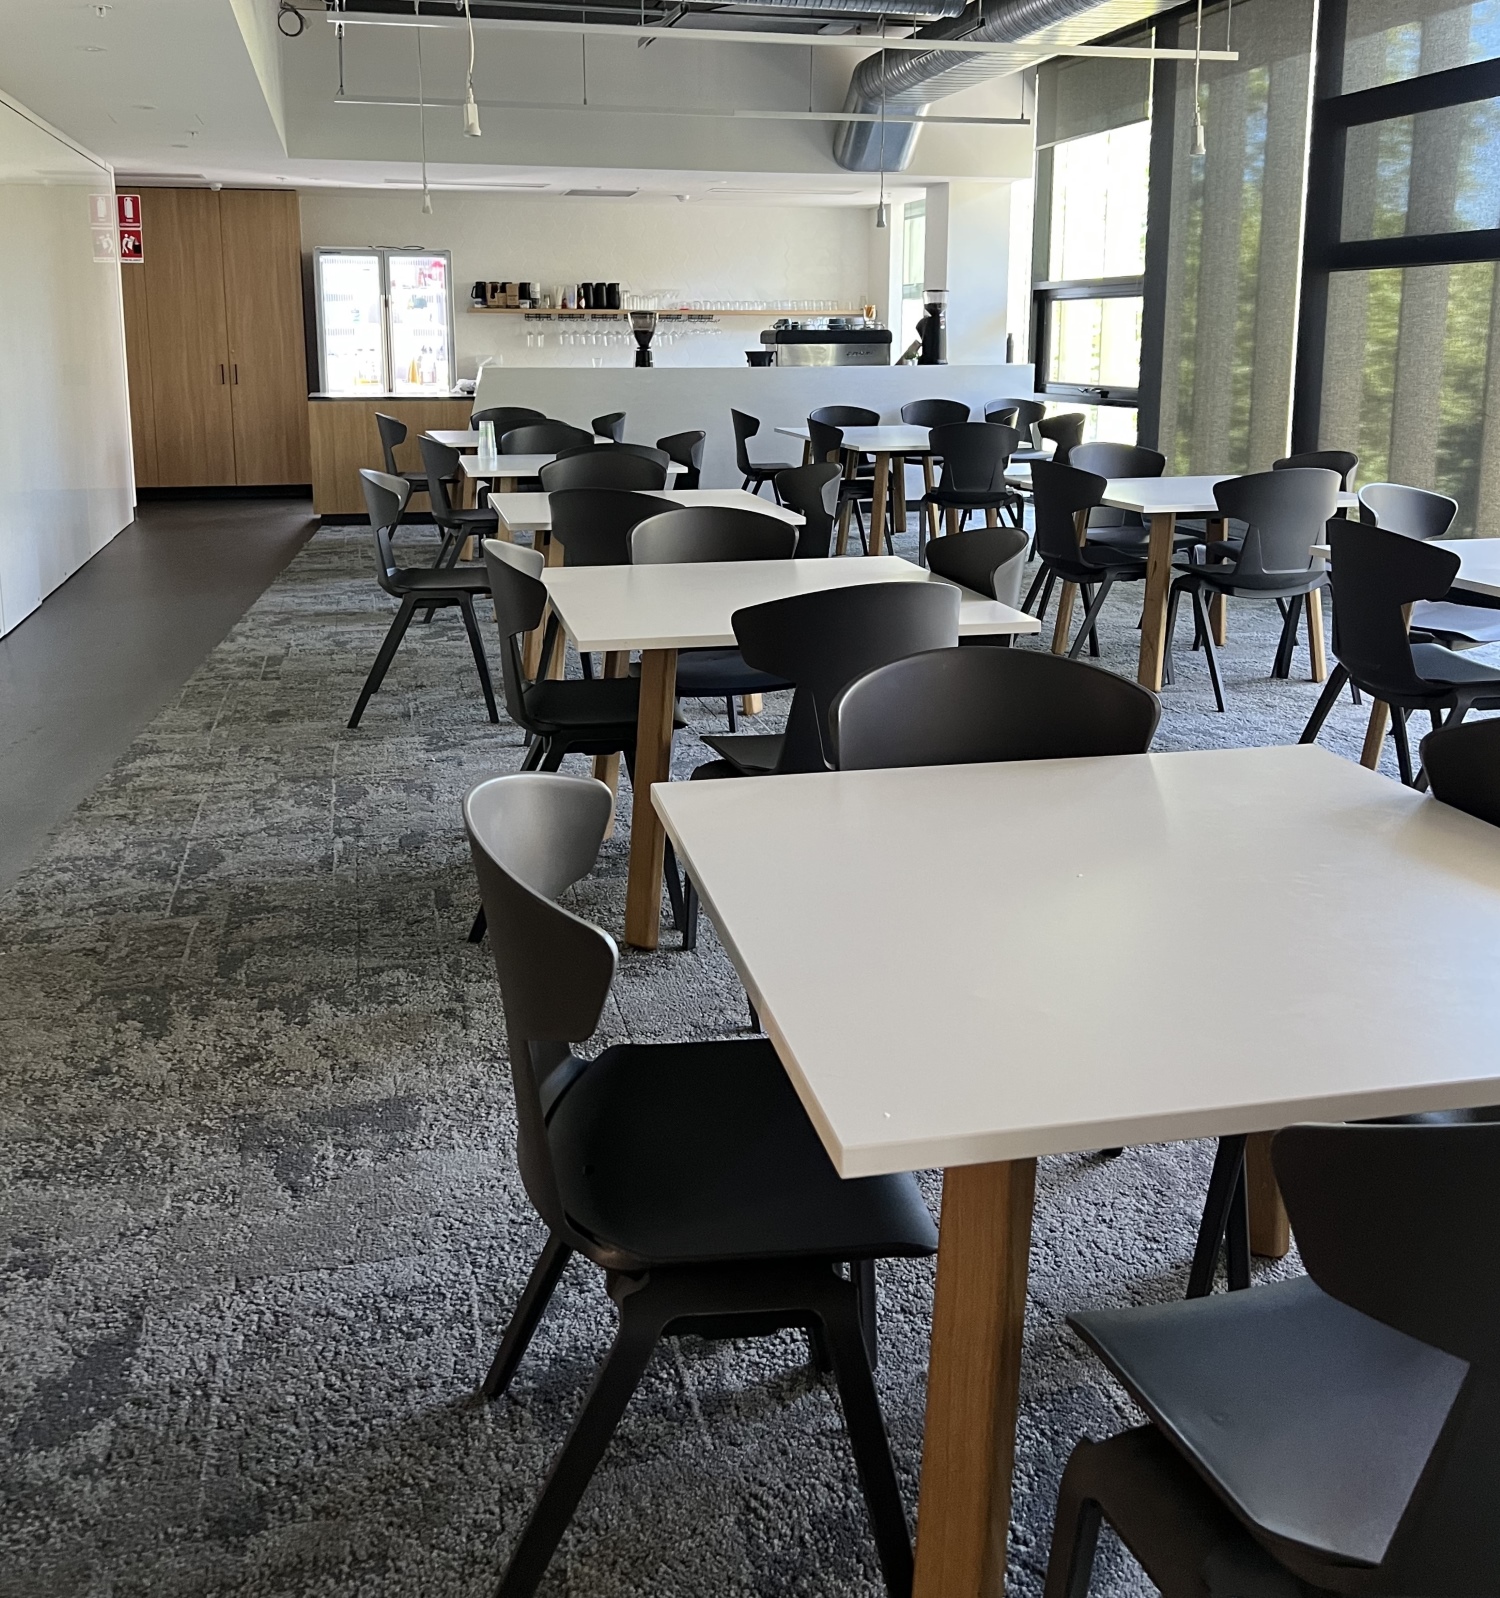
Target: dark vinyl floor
(87,670)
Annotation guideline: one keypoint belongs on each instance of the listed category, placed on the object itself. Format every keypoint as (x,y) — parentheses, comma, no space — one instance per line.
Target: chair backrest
(532,835)
(1403,1224)
(593,524)
(813,492)
(385,499)
(934,412)
(745,428)
(603,466)
(544,438)
(1117,460)
(505,418)
(440,462)
(974,455)
(1065,431)
(1286,513)
(1344,462)
(520,599)
(950,707)
(826,441)
(1004,415)
(1413,512)
(685,450)
(710,532)
(1463,765)
(989,560)
(845,416)
(1027,414)
(1058,494)
(820,641)
(392,432)
(1377,574)
(611,426)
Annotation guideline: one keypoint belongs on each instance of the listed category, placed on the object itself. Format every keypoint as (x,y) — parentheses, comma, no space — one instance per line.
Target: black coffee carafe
(612,296)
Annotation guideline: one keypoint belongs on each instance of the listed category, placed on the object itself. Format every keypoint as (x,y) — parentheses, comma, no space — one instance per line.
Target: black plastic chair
(685,450)
(755,472)
(714,533)
(1463,765)
(456,526)
(1065,433)
(1342,461)
(845,416)
(974,456)
(1024,413)
(988,560)
(427,586)
(1003,415)
(1285,513)
(610,426)
(1379,573)
(1060,494)
(687,1172)
(951,707)
(1336,1433)
(593,524)
(393,433)
(544,438)
(603,466)
(1124,529)
(505,417)
(1459,621)
(930,413)
(826,444)
(813,492)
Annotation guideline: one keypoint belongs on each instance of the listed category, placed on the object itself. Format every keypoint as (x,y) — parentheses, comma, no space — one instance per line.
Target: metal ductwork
(909,81)
(865,10)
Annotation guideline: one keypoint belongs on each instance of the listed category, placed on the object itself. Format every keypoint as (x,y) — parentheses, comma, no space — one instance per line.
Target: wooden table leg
(974,1380)
(1154,612)
(1270,1231)
(751,704)
(531,645)
(653,763)
(877,503)
(898,497)
(846,506)
(1315,636)
(1062,623)
(807,453)
(607,767)
(929,511)
(1375,734)
(1216,529)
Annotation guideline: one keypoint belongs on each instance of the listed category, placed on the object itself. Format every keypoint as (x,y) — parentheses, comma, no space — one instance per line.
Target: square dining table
(660,610)
(1048,1019)
(890,445)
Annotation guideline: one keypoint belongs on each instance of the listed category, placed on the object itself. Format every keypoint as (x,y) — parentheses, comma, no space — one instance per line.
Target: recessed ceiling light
(143,108)
(92,49)
(179,144)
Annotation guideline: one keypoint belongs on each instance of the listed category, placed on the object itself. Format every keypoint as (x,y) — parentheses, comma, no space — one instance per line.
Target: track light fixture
(472,129)
(1200,143)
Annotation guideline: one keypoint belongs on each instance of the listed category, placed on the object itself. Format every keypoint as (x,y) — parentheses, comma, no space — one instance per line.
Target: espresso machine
(643,325)
(932,329)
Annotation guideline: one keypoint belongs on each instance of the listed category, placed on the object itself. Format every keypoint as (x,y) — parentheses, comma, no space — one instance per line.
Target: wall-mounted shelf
(676,311)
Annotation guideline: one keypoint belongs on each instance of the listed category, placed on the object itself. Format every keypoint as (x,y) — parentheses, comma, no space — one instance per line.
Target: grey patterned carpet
(260,1218)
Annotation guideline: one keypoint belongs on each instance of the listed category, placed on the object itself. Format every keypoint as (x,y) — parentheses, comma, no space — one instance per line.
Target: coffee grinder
(643,325)
(932,329)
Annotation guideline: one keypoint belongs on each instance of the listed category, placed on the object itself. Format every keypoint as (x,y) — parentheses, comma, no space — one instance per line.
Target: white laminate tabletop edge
(1479,568)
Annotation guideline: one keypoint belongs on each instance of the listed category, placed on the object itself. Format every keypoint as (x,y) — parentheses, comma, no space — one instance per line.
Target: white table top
(1052,1008)
(689,606)
(1182,496)
(1479,570)
(533,512)
(890,438)
(503,466)
(455,437)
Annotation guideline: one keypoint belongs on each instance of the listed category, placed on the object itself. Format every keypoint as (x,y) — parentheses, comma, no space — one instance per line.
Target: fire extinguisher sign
(116,223)
(132,239)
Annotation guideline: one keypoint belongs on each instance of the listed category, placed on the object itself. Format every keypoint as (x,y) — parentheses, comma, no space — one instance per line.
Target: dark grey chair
(544,438)
(505,417)
(755,472)
(714,533)
(456,526)
(1065,433)
(932,413)
(1342,461)
(974,457)
(1463,765)
(1335,1433)
(393,433)
(826,444)
(845,416)
(813,492)
(1379,573)
(1123,529)
(988,560)
(431,587)
(593,524)
(686,451)
(950,707)
(611,426)
(604,466)
(688,1173)
(1285,513)
(1024,414)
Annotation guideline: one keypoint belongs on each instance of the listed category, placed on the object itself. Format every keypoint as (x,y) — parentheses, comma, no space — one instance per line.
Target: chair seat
(1440,665)
(958,499)
(453,579)
(768,468)
(717,673)
(751,754)
(1136,538)
(479,517)
(685,1153)
(1312,1421)
(1092,564)
(610,702)
(1449,620)
(1221,578)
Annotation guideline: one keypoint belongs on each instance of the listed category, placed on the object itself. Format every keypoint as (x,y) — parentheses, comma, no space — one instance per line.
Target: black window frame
(1046,295)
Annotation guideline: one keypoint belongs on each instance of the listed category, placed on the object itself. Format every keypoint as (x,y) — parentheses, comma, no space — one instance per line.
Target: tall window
(1399,354)
(913,268)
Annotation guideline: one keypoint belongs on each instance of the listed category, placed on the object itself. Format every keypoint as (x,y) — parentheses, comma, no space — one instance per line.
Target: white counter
(662,400)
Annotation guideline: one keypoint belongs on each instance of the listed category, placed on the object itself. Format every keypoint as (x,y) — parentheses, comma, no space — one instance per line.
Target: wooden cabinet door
(138,371)
(184,275)
(261,237)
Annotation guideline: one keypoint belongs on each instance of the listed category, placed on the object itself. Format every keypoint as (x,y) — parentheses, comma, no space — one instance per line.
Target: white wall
(699,251)
(65,439)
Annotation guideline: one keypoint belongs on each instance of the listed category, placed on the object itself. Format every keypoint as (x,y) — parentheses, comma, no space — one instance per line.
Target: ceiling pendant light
(416,6)
(1200,143)
(472,129)
(882,210)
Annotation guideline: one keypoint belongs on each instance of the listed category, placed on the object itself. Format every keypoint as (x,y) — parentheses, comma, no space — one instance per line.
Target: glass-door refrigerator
(385,321)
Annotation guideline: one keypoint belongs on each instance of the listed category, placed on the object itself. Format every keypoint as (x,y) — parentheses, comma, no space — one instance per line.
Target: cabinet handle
(236,370)
(221,371)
